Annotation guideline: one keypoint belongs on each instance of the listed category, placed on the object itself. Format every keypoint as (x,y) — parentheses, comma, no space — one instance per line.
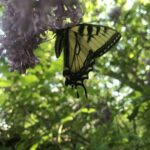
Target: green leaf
(34,147)
(4,83)
(29,79)
(67,119)
(88,111)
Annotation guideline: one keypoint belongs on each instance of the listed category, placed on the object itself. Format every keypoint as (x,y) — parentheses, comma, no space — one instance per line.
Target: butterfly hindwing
(82,44)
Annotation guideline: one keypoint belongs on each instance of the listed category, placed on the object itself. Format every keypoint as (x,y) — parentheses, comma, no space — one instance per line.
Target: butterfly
(81,45)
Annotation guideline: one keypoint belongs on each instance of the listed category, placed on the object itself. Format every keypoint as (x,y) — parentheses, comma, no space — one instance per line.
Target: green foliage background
(37,112)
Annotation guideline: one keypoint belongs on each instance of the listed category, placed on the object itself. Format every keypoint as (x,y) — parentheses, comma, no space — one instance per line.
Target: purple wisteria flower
(24,22)
(115,13)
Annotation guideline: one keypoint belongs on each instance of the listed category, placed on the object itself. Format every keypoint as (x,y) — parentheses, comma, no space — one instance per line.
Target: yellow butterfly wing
(81,45)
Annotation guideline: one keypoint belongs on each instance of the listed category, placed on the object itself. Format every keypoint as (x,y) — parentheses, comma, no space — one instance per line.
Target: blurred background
(37,111)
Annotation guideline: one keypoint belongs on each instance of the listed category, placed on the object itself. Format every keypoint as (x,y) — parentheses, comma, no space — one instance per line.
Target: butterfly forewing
(97,36)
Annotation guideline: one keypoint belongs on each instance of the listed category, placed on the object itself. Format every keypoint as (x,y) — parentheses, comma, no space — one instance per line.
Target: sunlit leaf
(5,83)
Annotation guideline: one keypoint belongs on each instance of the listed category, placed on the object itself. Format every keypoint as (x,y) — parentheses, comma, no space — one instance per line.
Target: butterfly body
(81,44)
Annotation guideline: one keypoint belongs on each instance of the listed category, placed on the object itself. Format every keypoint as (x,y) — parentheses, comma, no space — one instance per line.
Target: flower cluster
(115,13)
(23,23)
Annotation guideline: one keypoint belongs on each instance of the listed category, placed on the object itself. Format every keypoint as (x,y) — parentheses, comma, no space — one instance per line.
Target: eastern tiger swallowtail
(81,44)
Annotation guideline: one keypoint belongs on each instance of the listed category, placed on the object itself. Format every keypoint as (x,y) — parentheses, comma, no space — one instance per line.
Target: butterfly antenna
(76,90)
(85,91)
(78,94)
